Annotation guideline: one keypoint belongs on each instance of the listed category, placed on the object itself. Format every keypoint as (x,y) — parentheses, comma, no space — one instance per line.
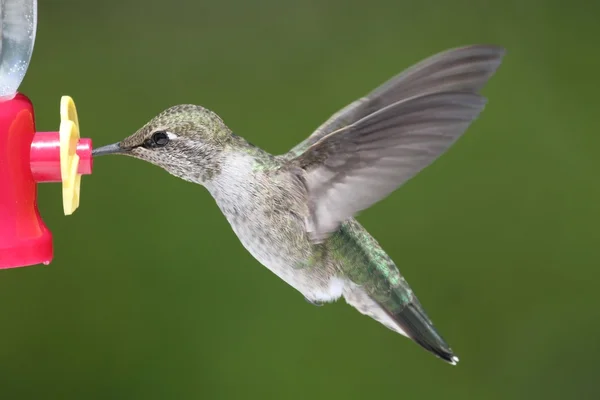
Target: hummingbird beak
(108,149)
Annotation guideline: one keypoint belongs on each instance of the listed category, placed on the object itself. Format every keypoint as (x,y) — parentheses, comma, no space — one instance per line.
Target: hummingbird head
(185,140)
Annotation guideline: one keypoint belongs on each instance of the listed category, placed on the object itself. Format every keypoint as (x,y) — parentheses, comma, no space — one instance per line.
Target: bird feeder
(28,157)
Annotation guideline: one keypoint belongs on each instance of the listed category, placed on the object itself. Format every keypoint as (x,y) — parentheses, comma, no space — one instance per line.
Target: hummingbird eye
(160,138)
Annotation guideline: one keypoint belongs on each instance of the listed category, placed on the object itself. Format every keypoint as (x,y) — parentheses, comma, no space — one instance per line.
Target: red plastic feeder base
(24,238)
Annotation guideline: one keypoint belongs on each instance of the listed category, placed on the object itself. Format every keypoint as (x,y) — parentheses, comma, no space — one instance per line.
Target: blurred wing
(465,69)
(350,169)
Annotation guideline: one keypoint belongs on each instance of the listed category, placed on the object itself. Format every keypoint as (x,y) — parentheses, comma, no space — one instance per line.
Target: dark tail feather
(419,328)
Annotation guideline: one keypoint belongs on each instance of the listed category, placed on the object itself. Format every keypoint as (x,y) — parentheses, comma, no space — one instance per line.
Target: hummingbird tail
(415,323)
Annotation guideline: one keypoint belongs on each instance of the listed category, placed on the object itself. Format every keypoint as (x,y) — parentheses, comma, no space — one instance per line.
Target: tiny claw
(314,303)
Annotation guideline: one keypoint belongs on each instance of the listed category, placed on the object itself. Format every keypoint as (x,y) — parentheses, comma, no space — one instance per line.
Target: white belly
(264,212)
(287,264)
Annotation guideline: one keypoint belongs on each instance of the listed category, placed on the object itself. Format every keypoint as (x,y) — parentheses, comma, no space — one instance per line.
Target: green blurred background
(151,295)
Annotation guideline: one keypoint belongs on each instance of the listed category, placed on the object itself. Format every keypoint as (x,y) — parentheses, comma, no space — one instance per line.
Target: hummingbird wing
(464,69)
(354,167)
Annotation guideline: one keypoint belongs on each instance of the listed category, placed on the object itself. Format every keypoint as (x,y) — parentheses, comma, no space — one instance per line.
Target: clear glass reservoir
(18,19)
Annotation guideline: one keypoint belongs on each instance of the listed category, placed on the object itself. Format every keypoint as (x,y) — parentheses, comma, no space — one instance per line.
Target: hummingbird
(295,212)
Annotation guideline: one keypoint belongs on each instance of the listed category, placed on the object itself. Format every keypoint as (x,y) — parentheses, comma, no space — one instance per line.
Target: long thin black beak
(108,149)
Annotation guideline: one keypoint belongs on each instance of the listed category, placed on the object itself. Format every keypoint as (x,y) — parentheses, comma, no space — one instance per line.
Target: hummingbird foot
(314,303)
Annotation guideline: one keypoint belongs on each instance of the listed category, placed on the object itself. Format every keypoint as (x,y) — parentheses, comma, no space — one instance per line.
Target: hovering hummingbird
(295,212)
